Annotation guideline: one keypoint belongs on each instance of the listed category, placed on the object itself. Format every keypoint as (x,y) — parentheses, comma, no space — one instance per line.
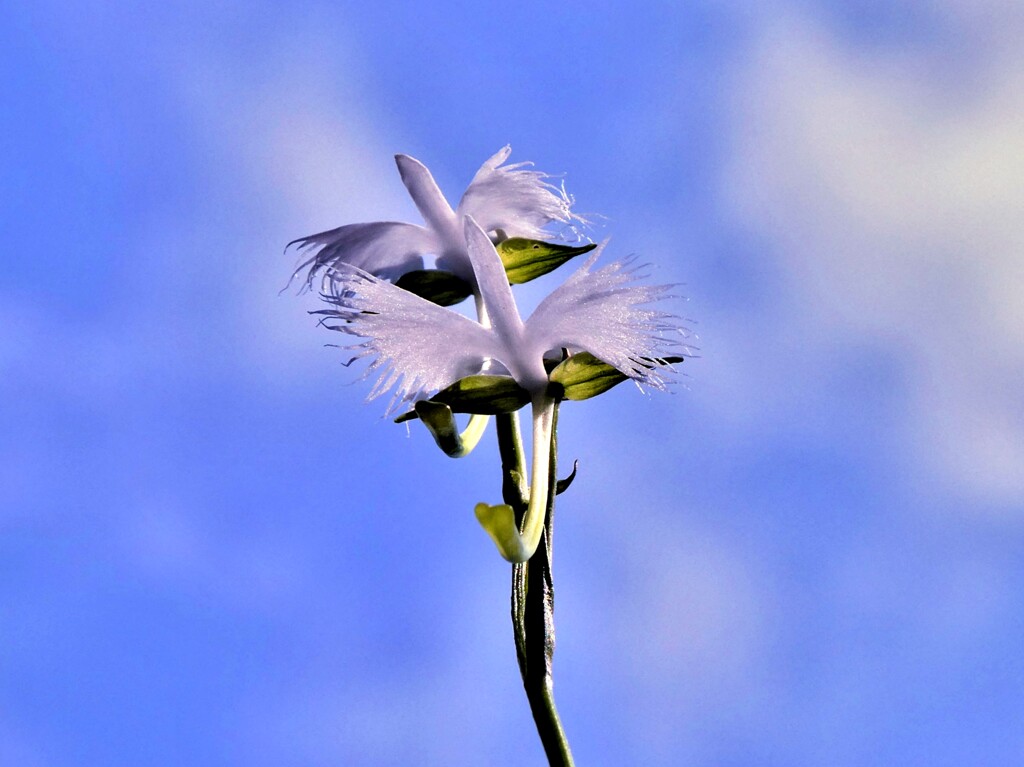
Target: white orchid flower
(507,199)
(419,347)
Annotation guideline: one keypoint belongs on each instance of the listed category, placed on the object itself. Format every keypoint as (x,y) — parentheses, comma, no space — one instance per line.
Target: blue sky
(811,553)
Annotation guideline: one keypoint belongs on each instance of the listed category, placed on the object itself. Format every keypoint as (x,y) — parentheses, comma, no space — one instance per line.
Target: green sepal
(436,285)
(526,260)
(583,376)
(479,394)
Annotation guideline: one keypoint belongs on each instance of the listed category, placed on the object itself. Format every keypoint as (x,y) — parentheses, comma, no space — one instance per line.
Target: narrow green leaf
(563,484)
(435,285)
(526,260)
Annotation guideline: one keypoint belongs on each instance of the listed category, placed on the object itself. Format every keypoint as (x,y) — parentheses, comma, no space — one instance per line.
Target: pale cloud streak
(299,149)
(896,207)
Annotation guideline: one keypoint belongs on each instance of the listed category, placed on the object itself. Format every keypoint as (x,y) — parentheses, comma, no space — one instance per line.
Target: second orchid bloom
(599,327)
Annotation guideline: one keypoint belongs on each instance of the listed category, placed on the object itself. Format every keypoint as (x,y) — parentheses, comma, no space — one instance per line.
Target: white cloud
(295,147)
(897,207)
(669,612)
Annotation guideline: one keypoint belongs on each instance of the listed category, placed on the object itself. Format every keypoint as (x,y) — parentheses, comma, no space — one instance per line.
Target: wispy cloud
(896,209)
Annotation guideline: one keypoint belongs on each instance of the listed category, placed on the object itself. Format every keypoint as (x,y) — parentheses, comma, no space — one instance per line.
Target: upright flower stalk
(517,539)
(598,328)
(533,596)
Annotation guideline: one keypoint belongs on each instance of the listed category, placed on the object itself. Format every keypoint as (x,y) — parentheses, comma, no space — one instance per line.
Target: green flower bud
(583,376)
(525,260)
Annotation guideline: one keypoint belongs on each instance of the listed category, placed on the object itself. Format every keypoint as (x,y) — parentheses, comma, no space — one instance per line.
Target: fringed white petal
(387,249)
(425,192)
(492,282)
(517,201)
(512,348)
(416,346)
(609,314)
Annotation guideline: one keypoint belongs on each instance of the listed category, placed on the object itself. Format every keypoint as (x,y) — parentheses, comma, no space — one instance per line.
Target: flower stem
(533,593)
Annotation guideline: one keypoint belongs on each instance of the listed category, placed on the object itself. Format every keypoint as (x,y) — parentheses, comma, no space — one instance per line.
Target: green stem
(533,593)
